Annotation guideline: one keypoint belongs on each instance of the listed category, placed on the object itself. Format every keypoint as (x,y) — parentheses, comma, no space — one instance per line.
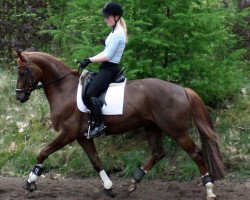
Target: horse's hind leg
(154,138)
(187,144)
(59,142)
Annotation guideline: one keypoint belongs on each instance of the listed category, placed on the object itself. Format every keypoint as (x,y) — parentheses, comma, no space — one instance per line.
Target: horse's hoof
(131,188)
(211,198)
(30,186)
(109,192)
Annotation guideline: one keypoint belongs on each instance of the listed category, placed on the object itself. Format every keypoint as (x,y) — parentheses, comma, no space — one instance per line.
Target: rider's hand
(85,63)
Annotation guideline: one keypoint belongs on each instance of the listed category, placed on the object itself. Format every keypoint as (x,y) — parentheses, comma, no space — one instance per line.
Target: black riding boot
(98,127)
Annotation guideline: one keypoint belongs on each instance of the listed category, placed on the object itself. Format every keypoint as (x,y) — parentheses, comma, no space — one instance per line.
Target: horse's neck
(56,86)
(53,71)
(51,68)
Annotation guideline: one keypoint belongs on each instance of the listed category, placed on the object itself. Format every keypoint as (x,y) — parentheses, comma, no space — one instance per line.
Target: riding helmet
(112,8)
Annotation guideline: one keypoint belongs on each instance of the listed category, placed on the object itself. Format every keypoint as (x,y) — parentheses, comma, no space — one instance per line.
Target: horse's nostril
(21,100)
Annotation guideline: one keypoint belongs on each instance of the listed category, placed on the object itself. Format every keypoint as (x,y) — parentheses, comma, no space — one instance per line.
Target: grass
(26,129)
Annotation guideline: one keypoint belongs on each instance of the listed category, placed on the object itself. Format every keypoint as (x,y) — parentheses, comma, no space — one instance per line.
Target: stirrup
(98,130)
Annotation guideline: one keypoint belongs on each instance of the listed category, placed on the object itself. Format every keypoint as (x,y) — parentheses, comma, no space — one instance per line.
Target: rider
(109,67)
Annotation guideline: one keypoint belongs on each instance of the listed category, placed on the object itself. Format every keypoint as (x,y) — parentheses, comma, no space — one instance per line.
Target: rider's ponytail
(124,26)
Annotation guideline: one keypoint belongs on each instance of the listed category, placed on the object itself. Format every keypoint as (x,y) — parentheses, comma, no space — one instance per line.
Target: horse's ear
(19,54)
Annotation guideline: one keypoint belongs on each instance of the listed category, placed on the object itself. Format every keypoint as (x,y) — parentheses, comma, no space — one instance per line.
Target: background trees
(20,23)
(191,42)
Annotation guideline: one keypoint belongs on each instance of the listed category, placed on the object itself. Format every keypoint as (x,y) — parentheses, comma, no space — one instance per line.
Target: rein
(31,81)
(40,86)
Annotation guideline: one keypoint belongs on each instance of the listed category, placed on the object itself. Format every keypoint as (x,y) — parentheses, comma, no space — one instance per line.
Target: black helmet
(112,8)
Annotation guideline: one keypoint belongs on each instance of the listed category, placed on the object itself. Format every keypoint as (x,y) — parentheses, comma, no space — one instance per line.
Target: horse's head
(29,75)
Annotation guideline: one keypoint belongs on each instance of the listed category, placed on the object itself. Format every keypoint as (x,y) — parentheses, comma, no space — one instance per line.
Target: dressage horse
(158,106)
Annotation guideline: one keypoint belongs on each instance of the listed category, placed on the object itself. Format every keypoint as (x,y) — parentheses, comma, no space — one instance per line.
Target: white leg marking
(210,195)
(107,183)
(33,177)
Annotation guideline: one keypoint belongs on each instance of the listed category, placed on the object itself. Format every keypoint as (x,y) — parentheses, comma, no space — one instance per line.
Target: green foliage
(190,43)
(234,123)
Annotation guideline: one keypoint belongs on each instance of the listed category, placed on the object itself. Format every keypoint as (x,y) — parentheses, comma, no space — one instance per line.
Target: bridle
(32,85)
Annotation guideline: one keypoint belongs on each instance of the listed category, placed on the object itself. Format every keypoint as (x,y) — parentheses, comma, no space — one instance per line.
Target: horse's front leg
(89,147)
(59,142)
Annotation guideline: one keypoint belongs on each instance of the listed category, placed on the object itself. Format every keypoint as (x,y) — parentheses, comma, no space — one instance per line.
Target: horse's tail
(209,140)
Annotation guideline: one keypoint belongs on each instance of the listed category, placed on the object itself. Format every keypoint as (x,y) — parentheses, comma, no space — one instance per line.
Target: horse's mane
(43,55)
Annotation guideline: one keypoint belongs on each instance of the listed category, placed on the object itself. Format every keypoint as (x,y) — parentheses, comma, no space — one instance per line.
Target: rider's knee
(89,95)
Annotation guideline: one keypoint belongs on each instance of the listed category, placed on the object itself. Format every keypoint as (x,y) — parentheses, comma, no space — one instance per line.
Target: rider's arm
(101,57)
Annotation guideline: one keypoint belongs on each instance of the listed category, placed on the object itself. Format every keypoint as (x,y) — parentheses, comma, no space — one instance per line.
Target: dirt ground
(49,187)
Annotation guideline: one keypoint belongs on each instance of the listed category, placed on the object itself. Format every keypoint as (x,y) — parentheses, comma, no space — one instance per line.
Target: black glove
(85,63)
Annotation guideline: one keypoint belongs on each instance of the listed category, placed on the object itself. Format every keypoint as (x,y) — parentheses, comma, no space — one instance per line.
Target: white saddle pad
(114,99)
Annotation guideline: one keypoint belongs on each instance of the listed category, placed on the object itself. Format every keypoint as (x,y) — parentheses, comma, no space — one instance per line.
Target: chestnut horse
(158,106)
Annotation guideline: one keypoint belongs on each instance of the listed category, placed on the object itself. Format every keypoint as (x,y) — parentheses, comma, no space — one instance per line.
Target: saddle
(86,79)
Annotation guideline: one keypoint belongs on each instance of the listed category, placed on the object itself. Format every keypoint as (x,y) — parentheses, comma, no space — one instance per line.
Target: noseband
(29,77)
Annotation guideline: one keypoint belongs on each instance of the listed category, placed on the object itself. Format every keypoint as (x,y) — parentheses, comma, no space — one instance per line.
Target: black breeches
(107,73)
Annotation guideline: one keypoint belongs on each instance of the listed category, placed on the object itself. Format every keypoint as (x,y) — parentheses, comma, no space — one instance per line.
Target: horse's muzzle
(22,97)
